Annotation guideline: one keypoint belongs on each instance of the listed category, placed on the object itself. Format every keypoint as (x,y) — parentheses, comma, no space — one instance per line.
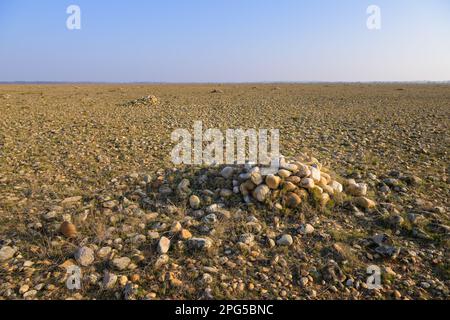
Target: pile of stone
(150,100)
(303,180)
(295,182)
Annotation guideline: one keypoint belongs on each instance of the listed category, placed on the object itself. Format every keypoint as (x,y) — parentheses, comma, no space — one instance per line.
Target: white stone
(306,229)
(6,253)
(163,245)
(261,192)
(315,174)
(337,187)
(285,240)
(357,189)
(85,256)
(121,263)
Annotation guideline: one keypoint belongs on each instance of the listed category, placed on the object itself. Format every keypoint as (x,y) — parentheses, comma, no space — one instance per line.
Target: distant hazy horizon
(223,83)
(225,41)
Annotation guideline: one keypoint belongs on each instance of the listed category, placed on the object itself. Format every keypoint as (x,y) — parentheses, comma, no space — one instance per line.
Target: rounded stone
(273,182)
(194,202)
(285,240)
(163,245)
(68,229)
(289,186)
(261,193)
(256,178)
(307,183)
(283,173)
(227,172)
(121,263)
(357,189)
(292,200)
(6,253)
(84,256)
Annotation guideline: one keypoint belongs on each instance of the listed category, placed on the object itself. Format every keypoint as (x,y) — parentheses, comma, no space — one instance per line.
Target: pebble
(315,174)
(364,203)
(162,260)
(153,234)
(200,243)
(247,238)
(357,189)
(28,263)
(30,294)
(68,229)
(304,171)
(285,240)
(123,280)
(337,187)
(226,193)
(50,215)
(306,229)
(261,193)
(283,173)
(176,227)
(290,166)
(24,289)
(294,179)
(273,182)
(121,263)
(396,220)
(289,186)
(210,218)
(194,202)
(227,172)
(207,278)
(307,183)
(135,277)
(84,256)
(256,178)
(163,245)
(71,200)
(293,200)
(109,280)
(6,253)
(185,234)
(397,294)
(304,281)
(183,187)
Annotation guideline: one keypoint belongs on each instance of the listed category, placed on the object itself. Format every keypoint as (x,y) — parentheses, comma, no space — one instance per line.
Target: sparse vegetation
(98,156)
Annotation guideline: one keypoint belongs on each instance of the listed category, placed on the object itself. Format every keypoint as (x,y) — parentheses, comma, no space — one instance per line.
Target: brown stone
(68,229)
(292,200)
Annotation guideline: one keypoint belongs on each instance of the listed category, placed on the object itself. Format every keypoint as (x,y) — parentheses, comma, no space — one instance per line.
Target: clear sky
(224,41)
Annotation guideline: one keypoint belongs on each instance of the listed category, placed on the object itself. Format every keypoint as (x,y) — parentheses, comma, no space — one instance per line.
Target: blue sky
(224,41)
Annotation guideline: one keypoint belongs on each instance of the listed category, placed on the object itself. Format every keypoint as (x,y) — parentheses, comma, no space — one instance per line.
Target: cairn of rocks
(149,100)
(295,182)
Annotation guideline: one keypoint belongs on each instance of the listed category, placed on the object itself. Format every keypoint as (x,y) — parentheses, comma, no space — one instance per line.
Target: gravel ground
(98,157)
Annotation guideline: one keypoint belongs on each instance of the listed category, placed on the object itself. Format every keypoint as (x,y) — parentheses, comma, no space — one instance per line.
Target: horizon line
(232,82)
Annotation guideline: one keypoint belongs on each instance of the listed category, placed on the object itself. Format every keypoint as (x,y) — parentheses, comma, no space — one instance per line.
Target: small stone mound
(147,101)
(303,180)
